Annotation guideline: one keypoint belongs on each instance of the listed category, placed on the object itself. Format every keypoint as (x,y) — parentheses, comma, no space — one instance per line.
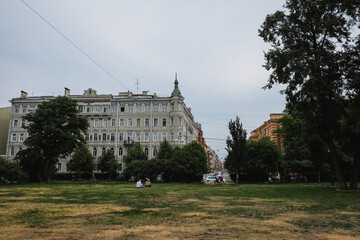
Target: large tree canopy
(82,161)
(55,130)
(315,53)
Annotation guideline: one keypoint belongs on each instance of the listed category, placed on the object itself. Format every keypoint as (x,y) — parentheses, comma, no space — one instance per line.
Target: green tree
(136,152)
(55,130)
(164,159)
(188,164)
(107,163)
(315,55)
(236,159)
(11,171)
(264,157)
(82,161)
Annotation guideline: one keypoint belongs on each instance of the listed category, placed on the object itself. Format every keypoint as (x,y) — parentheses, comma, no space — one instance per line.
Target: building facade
(116,122)
(267,130)
(4,129)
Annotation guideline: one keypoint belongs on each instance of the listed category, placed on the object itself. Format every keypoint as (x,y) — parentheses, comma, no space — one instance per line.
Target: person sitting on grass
(148,183)
(139,184)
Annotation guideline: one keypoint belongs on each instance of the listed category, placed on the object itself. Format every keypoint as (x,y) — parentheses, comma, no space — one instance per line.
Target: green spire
(176,91)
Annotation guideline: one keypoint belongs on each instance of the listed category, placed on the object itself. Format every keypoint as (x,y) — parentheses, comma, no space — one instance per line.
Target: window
(172,136)
(112,150)
(24,109)
(87,136)
(120,152)
(17,109)
(130,122)
(113,122)
(59,167)
(114,107)
(179,136)
(172,121)
(106,108)
(138,120)
(147,107)
(89,121)
(94,152)
(146,137)
(172,107)
(12,151)
(122,108)
(138,137)
(180,121)
(163,136)
(164,107)
(104,137)
(147,151)
(89,108)
(120,167)
(156,107)
(155,152)
(97,108)
(23,123)
(104,122)
(16,123)
(80,108)
(129,137)
(138,107)
(180,107)
(32,108)
(96,122)
(13,137)
(156,122)
(147,122)
(155,136)
(131,108)
(103,150)
(121,122)
(164,122)
(121,136)
(112,137)
(95,137)
(21,138)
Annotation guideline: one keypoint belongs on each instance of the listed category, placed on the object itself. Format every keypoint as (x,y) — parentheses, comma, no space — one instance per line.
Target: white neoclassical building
(116,121)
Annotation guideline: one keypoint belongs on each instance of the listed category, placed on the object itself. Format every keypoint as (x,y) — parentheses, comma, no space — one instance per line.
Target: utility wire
(72,43)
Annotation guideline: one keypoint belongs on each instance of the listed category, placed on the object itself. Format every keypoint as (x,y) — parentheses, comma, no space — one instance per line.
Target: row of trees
(251,161)
(315,54)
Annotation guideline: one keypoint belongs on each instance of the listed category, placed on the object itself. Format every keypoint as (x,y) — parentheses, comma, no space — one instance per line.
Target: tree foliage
(236,148)
(82,161)
(107,163)
(264,157)
(11,171)
(315,53)
(136,152)
(55,130)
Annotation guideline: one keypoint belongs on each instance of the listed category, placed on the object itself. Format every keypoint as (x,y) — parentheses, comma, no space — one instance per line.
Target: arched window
(112,149)
(120,152)
(59,167)
(12,151)
(154,152)
(103,151)
(94,152)
(147,151)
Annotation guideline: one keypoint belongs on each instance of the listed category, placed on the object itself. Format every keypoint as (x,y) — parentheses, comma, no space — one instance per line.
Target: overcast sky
(213,45)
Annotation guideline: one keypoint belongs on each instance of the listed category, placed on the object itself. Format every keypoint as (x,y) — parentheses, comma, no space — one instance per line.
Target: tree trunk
(237,178)
(355,173)
(337,166)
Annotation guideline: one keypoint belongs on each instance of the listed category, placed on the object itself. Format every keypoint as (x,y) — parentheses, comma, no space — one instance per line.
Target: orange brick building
(267,130)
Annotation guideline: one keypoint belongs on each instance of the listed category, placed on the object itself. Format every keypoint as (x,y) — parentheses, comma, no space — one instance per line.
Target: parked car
(210,179)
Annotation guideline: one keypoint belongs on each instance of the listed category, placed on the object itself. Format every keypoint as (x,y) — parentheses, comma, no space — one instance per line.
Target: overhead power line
(76,46)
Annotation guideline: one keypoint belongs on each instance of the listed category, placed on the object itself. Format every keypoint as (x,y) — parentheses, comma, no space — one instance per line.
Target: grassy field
(178,211)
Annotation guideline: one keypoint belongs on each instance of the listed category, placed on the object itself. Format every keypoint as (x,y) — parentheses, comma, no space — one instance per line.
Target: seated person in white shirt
(139,184)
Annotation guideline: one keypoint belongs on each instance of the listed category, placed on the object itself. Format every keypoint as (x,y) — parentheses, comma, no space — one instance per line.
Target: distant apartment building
(4,128)
(214,163)
(267,130)
(116,121)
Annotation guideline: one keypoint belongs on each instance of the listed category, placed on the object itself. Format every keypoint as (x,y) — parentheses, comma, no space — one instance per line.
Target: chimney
(24,94)
(67,92)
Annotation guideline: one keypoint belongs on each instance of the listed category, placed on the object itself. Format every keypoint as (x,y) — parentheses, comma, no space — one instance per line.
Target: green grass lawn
(85,210)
